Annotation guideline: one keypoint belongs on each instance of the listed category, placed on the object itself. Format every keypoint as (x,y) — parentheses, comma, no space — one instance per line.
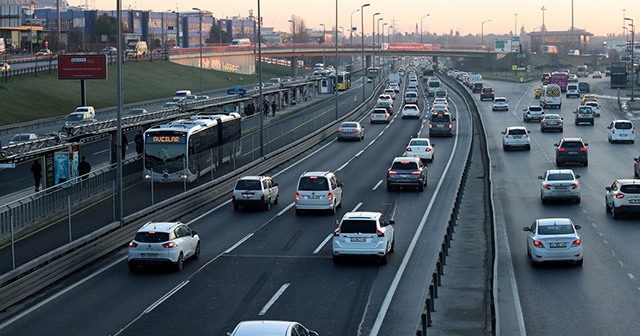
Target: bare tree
(301,35)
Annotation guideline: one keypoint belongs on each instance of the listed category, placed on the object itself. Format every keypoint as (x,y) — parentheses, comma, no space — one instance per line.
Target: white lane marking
(631,276)
(621,263)
(357,207)
(238,243)
(515,110)
(165,297)
(273,299)
(283,211)
(100,152)
(377,185)
(324,242)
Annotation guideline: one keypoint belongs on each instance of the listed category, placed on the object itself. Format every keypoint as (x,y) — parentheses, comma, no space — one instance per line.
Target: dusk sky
(466,16)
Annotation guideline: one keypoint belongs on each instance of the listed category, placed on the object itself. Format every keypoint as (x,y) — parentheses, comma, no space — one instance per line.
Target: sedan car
(552,122)
(559,184)
(596,74)
(363,234)
(554,239)
(439,108)
(623,196)
(573,78)
(275,328)
(500,104)
(411,111)
(23,137)
(137,111)
(595,106)
(163,243)
(350,130)
(443,101)
(380,115)
(420,147)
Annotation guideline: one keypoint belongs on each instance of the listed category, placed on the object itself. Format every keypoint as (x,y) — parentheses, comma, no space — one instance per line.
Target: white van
(433,85)
(551,97)
(411,97)
(181,95)
(78,118)
(242,42)
(89,110)
(475,78)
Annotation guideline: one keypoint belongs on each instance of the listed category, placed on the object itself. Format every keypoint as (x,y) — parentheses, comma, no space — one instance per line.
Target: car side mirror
(525,110)
(392,222)
(502,132)
(607,188)
(586,144)
(526,228)
(578,227)
(577,176)
(540,177)
(193,233)
(608,127)
(340,185)
(275,184)
(555,145)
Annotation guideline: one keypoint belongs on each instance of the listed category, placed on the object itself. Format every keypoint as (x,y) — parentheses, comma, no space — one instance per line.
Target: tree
(105,25)
(76,40)
(301,35)
(217,35)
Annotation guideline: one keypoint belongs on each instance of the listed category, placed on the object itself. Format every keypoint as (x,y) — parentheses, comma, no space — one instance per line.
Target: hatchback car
(487,93)
(390,92)
(596,74)
(573,78)
(552,122)
(554,239)
(350,130)
(407,171)
(515,137)
(623,196)
(559,184)
(571,150)
(385,97)
(379,115)
(532,113)
(258,191)
(538,92)
(588,98)
(163,243)
(318,190)
(386,105)
(422,148)
(275,328)
(363,234)
(584,114)
(441,124)
(500,104)
(595,106)
(439,108)
(411,111)
(442,101)
(584,86)
(621,131)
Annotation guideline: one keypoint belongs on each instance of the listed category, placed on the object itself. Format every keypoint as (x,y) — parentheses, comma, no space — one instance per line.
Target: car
(163,243)
(255,191)
(588,98)
(22,137)
(411,97)
(439,108)
(477,87)
(559,184)
(407,171)
(380,114)
(190,98)
(287,79)
(441,124)
(170,104)
(538,92)
(554,239)
(386,105)
(4,67)
(369,80)
(109,50)
(318,190)
(515,137)
(422,148)
(552,121)
(44,52)
(271,327)
(391,92)
(385,97)
(623,196)
(442,93)
(487,93)
(584,114)
(443,101)
(596,74)
(202,97)
(395,87)
(573,90)
(621,131)
(137,111)
(350,130)
(363,234)
(545,78)
(571,150)
(500,104)
(413,88)
(532,113)
(573,78)
(584,86)
(411,111)
(274,82)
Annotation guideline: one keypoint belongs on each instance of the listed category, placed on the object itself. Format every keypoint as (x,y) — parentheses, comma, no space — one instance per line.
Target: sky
(466,16)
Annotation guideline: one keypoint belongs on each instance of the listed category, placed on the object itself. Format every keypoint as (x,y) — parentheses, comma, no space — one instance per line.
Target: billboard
(82,67)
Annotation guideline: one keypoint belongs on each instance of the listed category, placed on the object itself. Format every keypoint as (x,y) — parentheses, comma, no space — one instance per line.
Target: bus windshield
(159,155)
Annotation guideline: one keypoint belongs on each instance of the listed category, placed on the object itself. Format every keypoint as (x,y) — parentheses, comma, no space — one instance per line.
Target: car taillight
(560,122)
(297,196)
(392,172)
(380,233)
(538,244)
(450,125)
(619,196)
(430,126)
(633,130)
(583,149)
(133,244)
(575,186)
(408,149)
(416,172)
(546,186)
(372,115)
(336,233)
(576,242)
(330,196)
(560,149)
(544,122)
(233,196)
(428,149)
(170,245)
(262,196)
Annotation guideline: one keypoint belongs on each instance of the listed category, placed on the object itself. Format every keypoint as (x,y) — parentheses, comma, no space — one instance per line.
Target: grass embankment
(541,63)
(27,97)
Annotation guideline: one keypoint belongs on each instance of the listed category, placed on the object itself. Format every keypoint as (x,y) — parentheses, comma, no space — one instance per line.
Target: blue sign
(236,90)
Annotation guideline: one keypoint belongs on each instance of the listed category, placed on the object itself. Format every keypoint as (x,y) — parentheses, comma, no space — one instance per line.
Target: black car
(571,150)
(487,93)
(407,171)
(476,87)
(545,78)
(584,87)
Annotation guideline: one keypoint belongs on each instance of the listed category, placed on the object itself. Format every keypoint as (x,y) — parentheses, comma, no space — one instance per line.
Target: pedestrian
(274,108)
(265,105)
(139,140)
(252,108)
(36,169)
(84,168)
(247,111)
(125,143)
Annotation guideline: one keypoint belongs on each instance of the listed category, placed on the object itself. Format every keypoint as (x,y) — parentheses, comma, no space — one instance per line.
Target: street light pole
(373,42)
(382,42)
(295,62)
(389,34)
(364,64)
(482,30)
(633,33)
(515,25)
(323,44)
(260,97)
(543,28)
(421,27)
(351,27)
(201,78)
(377,46)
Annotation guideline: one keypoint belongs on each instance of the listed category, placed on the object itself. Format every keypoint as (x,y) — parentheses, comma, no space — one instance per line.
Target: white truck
(394,77)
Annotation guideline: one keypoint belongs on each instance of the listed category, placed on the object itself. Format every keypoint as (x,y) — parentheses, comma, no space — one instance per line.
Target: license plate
(148,255)
(623,135)
(634,200)
(517,136)
(165,180)
(358,240)
(404,176)
(313,197)
(561,188)
(556,245)
(247,195)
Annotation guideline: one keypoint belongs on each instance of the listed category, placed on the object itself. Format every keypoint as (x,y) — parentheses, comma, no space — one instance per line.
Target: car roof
(553,221)
(159,226)
(316,173)
(252,177)
(628,181)
(414,106)
(361,215)
(496,98)
(559,171)
(516,127)
(259,328)
(405,158)
(571,139)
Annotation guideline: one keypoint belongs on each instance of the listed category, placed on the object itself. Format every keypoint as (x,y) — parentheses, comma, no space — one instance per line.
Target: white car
(391,92)
(621,131)
(554,239)
(163,243)
(411,111)
(595,106)
(23,137)
(623,196)
(559,184)
(275,328)
(380,115)
(420,147)
(385,97)
(442,101)
(500,103)
(439,108)
(515,136)
(363,233)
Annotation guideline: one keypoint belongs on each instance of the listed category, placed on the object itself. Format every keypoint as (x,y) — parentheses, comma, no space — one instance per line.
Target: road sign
(521,55)
(514,67)
(236,90)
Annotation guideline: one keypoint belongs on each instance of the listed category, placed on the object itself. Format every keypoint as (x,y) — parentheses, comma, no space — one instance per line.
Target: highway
(250,256)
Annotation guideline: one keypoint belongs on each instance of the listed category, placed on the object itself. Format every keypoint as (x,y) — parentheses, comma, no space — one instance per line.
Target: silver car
(552,121)
(559,184)
(350,130)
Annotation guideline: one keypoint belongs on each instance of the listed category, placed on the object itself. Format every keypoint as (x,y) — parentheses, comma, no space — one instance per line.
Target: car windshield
(249,185)
(313,183)
(560,177)
(499,100)
(585,109)
(535,108)
(74,117)
(152,237)
(630,189)
(419,143)
(623,125)
(405,165)
(555,229)
(439,118)
(516,131)
(349,125)
(568,144)
(358,226)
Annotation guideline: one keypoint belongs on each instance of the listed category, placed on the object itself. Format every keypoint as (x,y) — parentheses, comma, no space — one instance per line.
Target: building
(578,39)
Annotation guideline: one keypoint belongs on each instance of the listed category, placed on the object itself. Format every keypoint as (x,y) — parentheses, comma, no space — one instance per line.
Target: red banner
(82,67)
(413,47)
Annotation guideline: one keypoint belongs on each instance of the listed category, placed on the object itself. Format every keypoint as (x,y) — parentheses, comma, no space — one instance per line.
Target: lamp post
(201,78)
(293,41)
(381,43)
(482,30)
(323,44)
(543,28)
(633,33)
(515,25)
(351,27)
(260,97)
(364,64)
(421,27)
(389,34)
(373,41)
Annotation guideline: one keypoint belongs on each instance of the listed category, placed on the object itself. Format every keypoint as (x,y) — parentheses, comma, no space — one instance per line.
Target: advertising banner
(82,66)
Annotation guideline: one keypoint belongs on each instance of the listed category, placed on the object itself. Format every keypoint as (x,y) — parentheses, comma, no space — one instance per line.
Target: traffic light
(46,43)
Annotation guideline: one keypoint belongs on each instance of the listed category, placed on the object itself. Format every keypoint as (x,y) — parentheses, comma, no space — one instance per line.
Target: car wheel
(580,262)
(586,163)
(384,259)
(393,245)
(133,266)
(528,147)
(339,139)
(298,212)
(541,130)
(592,123)
(337,260)
(333,210)
(267,206)
(179,264)
(420,187)
(505,148)
(544,201)
(607,208)
(236,207)
(614,212)
(196,254)
(389,188)
(277,199)
(558,163)
(578,200)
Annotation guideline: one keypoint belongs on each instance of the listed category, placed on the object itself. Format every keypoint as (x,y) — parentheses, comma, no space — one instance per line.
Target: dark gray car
(571,150)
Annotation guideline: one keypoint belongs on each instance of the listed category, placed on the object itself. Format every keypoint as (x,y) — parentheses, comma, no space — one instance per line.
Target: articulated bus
(344,80)
(187,148)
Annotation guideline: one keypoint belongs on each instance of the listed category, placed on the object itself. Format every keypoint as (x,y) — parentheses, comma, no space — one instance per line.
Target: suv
(571,150)
(318,191)
(258,191)
(477,87)
(500,103)
(621,130)
(584,114)
(163,243)
(363,233)
(515,136)
(441,124)
(623,196)
(533,113)
(486,93)
(276,328)
(584,86)
(407,171)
